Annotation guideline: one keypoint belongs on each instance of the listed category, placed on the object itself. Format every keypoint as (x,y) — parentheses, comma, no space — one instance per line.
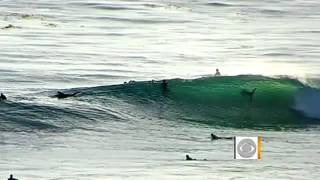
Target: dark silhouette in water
(217,73)
(11,177)
(10,26)
(249,93)
(214,137)
(61,95)
(3,97)
(164,84)
(165,88)
(188,158)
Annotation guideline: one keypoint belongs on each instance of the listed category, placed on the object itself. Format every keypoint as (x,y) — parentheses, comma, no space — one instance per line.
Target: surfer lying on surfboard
(214,137)
(188,158)
(61,95)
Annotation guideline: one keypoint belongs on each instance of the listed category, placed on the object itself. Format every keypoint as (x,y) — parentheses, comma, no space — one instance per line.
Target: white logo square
(247,147)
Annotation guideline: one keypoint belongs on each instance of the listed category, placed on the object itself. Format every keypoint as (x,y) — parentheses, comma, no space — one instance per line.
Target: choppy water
(141,131)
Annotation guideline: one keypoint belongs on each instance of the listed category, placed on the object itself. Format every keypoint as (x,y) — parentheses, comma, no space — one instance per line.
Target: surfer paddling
(61,95)
(11,177)
(214,137)
(249,93)
(188,158)
(3,97)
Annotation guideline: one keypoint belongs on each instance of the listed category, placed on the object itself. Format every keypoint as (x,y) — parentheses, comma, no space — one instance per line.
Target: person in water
(249,93)
(188,158)
(164,84)
(3,97)
(11,177)
(217,72)
(214,137)
(61,95)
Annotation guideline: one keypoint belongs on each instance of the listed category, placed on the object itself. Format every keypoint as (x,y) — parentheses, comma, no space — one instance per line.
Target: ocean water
(140,130)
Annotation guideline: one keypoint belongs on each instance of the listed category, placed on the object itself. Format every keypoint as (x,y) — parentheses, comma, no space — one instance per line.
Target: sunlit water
(70,44)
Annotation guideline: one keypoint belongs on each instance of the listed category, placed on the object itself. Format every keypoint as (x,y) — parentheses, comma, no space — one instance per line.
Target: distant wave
(279,54)
(218,4)
(133,20)
(273,11)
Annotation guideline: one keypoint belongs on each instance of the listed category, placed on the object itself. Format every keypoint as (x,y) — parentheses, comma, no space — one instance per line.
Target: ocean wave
(218,101)
(219,4)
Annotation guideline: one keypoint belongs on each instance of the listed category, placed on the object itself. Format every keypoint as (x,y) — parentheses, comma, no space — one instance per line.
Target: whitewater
(114,129)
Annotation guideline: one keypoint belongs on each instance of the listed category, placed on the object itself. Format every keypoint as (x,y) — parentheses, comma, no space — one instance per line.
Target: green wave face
(213,101)
(217,100)
(220,100)
(226,91)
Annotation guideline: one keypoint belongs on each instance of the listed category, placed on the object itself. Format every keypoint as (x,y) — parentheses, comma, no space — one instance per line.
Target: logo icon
(247,147)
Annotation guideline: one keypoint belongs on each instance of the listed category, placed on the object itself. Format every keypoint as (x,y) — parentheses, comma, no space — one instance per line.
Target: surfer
(3,97)
(164,84)
(214,137)
(188,158)
(61,95)
(249,93)
(11,177)
(10,26)
(217,72)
